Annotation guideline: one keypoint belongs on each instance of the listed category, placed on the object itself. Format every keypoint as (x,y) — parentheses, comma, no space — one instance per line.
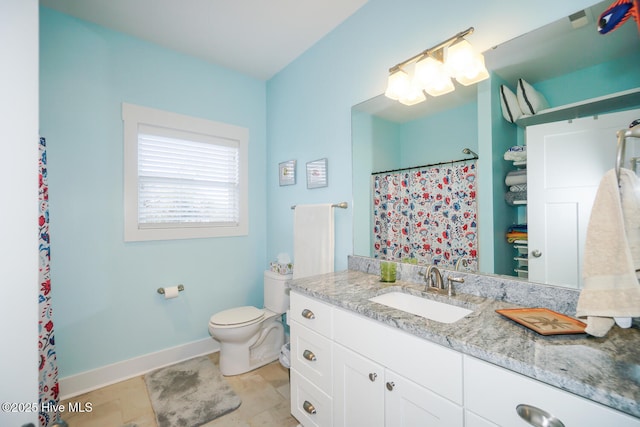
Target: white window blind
(187,183)
(184,177)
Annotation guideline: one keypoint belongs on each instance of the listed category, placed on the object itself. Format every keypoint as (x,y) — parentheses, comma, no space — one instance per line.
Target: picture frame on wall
(317,174)
(287,173)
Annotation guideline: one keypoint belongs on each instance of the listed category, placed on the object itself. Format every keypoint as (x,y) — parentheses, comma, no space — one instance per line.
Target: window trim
(133,116)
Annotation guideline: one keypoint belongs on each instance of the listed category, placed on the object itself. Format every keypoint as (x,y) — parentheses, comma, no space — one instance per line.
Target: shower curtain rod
(425,166)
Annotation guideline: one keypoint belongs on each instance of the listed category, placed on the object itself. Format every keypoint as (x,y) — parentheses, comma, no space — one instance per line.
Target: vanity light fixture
(431,70)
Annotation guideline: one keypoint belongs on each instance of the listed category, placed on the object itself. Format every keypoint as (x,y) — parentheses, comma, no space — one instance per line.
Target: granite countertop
(605,370)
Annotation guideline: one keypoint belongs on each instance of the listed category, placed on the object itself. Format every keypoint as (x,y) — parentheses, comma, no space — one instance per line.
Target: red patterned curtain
(48,366)
(427,214)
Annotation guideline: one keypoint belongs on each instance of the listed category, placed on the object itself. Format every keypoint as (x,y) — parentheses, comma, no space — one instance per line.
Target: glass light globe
(431,75)
(465,64)
(398,85)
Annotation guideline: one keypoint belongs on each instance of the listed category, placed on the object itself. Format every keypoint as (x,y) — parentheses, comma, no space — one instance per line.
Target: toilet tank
(276,291)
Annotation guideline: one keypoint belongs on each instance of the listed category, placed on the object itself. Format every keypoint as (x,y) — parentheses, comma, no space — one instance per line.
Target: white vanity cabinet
(508,390)
(364,373)
(311,323)
(349,370)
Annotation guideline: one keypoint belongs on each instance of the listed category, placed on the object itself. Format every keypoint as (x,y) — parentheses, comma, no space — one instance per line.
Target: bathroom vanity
(355,362)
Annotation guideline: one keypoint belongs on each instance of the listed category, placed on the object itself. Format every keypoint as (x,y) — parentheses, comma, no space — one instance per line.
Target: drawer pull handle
(308,314)
(537,417)
(307,354)
(373,376)
(390,385)
(308,406)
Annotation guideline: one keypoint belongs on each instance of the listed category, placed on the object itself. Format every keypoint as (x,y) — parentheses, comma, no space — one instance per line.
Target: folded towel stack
(513,197)
(517,183)
(517,232)
(517,177)
(517,153)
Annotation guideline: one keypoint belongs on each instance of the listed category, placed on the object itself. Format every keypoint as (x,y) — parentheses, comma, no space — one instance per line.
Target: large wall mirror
(567,61)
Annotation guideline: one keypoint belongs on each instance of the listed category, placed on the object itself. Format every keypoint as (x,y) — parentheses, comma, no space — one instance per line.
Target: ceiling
(255,37)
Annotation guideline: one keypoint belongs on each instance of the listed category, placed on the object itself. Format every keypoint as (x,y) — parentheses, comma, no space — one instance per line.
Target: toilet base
(263,348)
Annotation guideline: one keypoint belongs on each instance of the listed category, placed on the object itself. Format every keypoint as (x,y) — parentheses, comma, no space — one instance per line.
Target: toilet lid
(238,315)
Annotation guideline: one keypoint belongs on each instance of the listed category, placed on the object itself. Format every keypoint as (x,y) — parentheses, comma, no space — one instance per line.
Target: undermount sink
(420,306)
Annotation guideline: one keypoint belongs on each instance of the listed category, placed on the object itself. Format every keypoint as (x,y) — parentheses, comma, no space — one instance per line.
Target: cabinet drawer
(311,356)
(509,389)
(313,314)
(430,365)
(309,404)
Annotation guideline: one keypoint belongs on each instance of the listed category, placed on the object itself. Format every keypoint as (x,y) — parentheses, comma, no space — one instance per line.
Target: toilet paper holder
(161,290)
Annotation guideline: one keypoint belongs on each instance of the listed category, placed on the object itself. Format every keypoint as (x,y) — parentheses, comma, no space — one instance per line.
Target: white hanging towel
(313,240)
(612,255)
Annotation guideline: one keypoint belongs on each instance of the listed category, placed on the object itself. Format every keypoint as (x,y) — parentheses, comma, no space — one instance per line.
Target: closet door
(565,163)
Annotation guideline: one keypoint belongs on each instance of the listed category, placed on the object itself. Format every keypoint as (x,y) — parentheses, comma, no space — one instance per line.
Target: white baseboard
(84,382)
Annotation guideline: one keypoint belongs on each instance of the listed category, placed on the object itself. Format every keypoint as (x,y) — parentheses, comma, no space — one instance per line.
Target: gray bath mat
(190,393)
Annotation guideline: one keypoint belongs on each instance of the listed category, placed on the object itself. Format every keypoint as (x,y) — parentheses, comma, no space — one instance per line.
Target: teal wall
(611,77)
(440,137)
(105,303)
(387,145)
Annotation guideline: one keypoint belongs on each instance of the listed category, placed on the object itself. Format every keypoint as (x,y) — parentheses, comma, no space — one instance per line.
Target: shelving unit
(521,245)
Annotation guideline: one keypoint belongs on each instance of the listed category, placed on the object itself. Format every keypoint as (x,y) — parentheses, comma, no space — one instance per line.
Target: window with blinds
(190,176)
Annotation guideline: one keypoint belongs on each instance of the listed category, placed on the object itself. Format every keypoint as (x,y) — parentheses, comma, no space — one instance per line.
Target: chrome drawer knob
(308,354)
(308,314)
(373,376)
(308,406)
(536,253)
(390,385)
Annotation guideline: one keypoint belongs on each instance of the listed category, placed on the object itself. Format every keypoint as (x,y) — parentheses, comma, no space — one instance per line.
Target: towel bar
(341,205)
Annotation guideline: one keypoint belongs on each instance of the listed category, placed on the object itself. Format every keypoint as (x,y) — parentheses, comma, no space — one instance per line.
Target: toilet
(251,337)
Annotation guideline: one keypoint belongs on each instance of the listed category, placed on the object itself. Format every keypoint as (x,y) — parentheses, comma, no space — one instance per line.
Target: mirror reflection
(579,72)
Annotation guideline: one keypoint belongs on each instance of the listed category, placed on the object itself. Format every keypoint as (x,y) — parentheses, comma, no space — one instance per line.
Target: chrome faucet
(438,285)
(450,281)
(462,261)
(428,276)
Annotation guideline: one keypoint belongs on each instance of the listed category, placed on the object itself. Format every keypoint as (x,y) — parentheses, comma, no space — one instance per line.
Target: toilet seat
(237,317)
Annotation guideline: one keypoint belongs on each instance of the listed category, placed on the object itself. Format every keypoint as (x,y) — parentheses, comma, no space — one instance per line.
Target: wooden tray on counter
(544,321)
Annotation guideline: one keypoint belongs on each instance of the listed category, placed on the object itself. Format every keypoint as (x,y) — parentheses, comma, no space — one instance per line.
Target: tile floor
(264,394)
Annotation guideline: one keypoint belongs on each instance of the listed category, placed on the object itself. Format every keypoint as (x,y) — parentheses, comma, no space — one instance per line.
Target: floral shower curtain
(427,214)
(48,367)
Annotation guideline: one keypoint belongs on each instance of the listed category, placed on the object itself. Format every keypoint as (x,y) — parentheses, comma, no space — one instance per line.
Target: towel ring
(623,134)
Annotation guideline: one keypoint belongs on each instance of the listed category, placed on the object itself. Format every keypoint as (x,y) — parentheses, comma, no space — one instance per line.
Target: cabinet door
(473,420)
(358,390)
(409,405)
